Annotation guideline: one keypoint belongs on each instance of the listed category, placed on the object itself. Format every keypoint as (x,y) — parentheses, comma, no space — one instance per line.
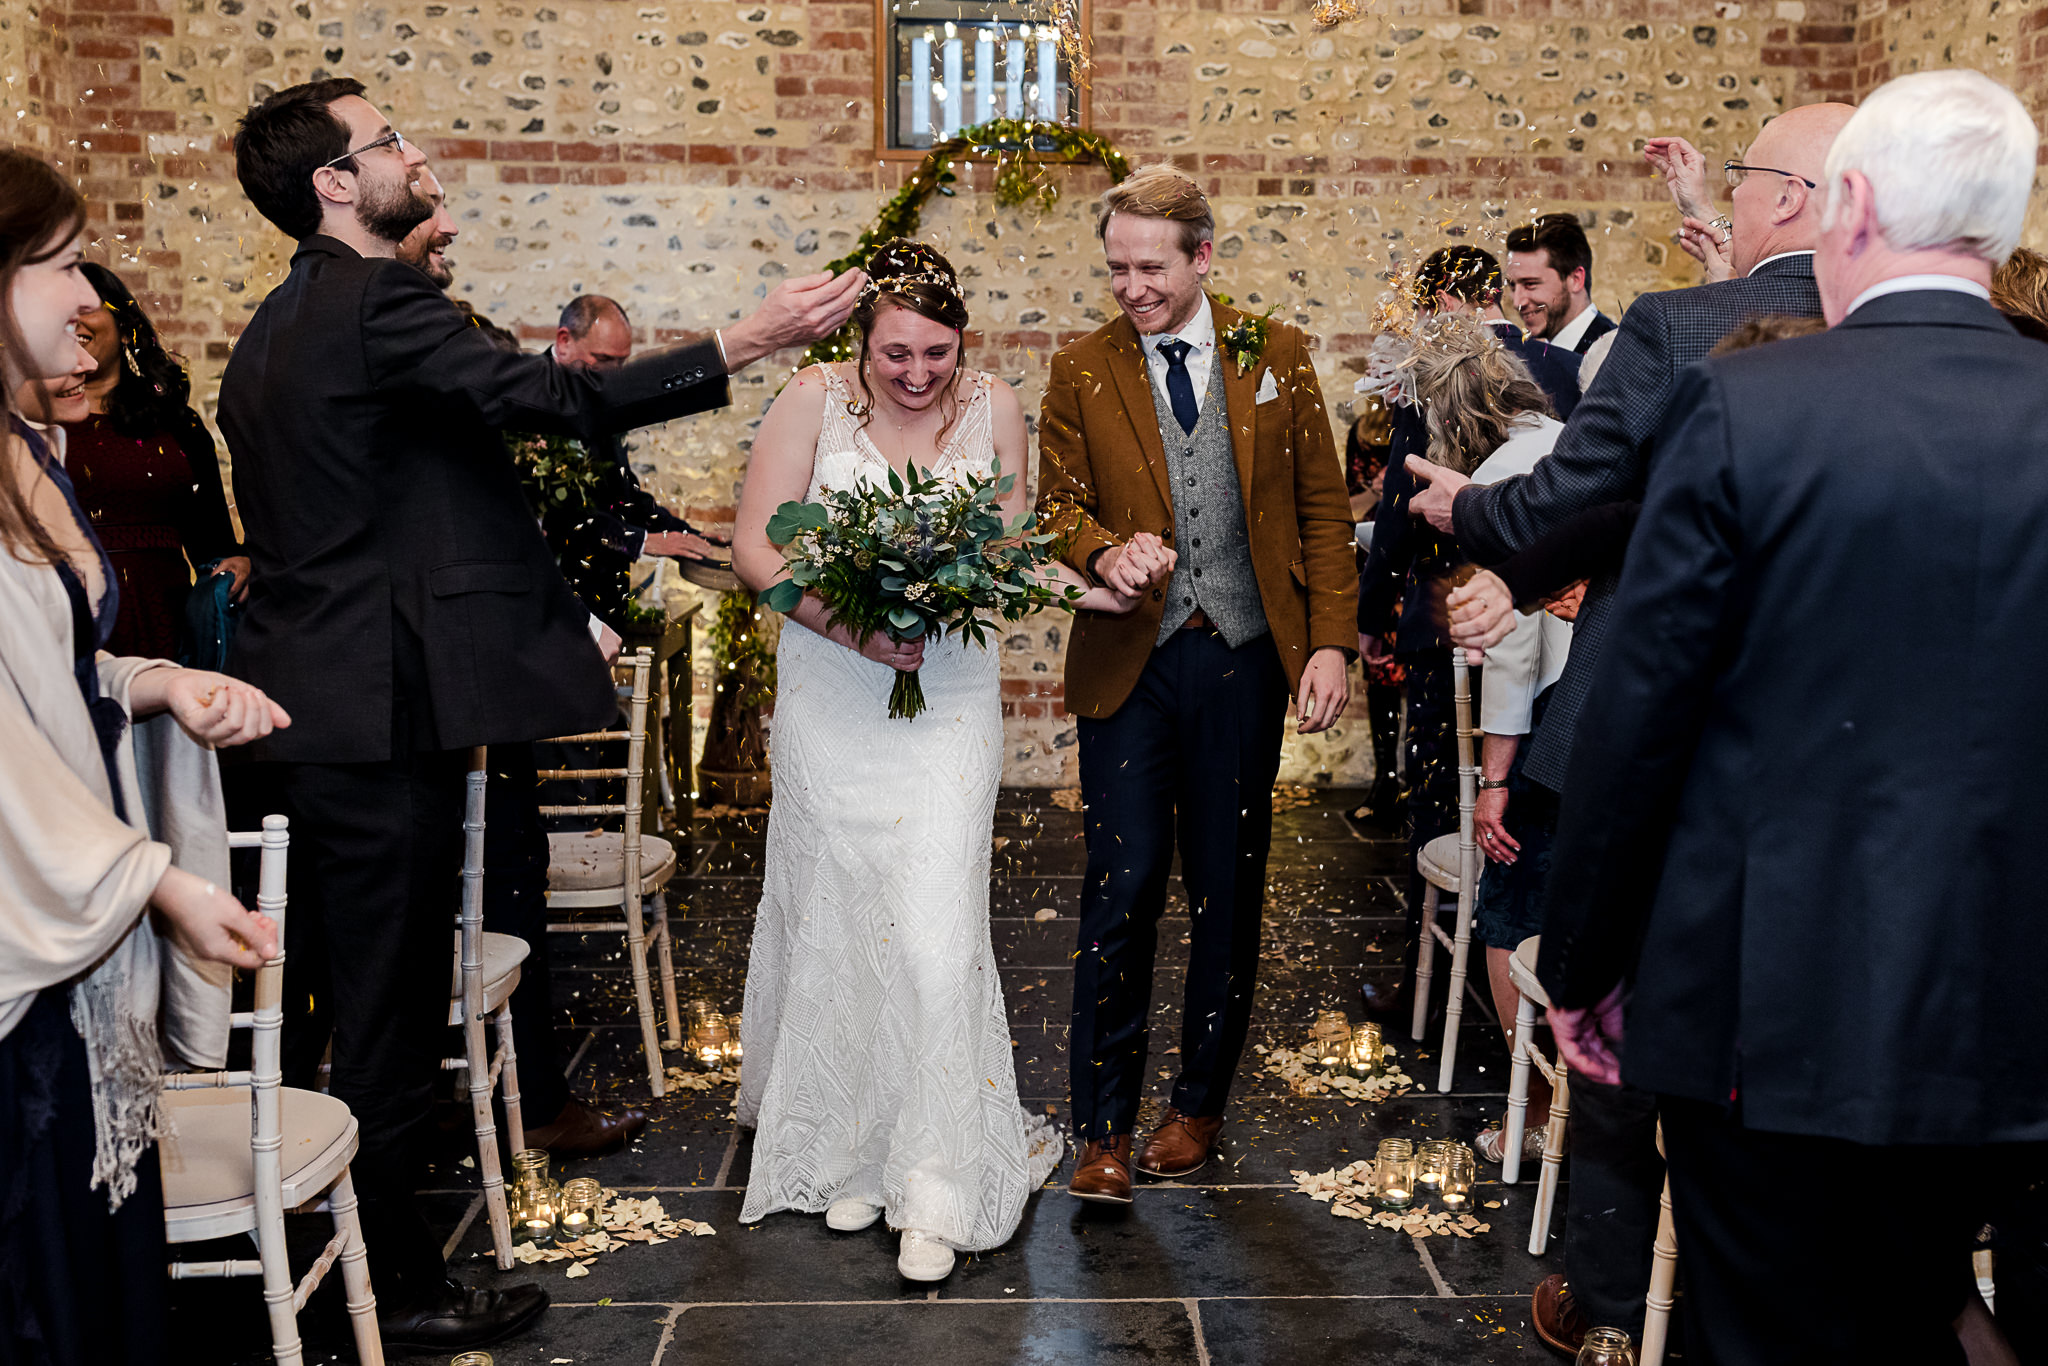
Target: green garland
(1015,143)
(737,648)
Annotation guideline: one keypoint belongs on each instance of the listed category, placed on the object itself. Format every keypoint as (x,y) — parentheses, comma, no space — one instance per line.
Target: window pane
(959,64)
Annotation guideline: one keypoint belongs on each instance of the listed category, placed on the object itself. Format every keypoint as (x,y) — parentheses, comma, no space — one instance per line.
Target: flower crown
(899,283)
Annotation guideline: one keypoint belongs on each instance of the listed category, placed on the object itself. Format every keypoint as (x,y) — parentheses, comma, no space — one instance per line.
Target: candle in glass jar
(582,1199)
(733,1051)
(1365,1048)
(1331,1037)
(1460,1171)
(1430,1161)
(1393,1184)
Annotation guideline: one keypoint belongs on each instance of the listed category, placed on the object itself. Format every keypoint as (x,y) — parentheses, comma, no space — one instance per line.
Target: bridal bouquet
(915,559)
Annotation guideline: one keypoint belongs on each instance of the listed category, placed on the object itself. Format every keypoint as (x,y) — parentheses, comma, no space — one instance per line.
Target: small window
(952,64)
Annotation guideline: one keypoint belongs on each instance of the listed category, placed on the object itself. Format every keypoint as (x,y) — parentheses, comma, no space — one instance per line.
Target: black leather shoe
(453,1317)
(1386,1004)
(580,1131)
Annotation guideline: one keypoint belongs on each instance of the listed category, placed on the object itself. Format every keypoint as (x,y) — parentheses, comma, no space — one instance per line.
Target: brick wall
(683,157)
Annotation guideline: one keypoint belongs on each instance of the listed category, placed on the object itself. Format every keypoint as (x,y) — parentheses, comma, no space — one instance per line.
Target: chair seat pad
(596,860)
(502,956)
(1438,862)
(205,1148)
(1522,970)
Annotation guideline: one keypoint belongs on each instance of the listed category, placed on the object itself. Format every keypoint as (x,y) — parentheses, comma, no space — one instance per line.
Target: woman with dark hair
(146,474)
(91,1001)
(879,1078)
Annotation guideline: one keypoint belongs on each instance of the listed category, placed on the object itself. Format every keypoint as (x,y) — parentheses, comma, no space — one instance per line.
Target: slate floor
(1234,1268)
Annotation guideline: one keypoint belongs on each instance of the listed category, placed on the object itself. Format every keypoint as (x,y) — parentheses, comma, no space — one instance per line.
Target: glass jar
(582,1207)
(708,1043)
(1365,1049)
(1430,1160)
(1461,1170)
(471,1359)
(534,1199)
(1331,1037)
(733,1052)
(1393,1174)
(1607,1347)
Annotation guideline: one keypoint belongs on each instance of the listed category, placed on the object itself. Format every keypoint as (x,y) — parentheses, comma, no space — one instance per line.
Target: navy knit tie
(1180,388)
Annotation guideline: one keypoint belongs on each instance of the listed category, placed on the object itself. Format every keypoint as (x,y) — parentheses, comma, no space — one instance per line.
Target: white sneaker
(851,1216)
(924,1257)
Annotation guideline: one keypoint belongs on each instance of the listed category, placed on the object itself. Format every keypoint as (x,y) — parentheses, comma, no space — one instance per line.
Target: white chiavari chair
(1522,972)
(1450,863)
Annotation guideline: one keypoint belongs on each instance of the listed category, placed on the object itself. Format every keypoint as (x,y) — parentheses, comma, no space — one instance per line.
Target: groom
(1189,420)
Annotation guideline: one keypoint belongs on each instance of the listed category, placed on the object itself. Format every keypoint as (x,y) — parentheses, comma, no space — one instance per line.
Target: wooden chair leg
(1425,960)
(1454,1008)
(1553,1157)
(478,1061)
(666,950)
(355,1272)
(643,996)
(1663,1284)
(1518,1094)
(508,1080)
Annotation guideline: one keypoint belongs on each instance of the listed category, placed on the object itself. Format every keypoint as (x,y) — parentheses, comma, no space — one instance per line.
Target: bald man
(1604,456)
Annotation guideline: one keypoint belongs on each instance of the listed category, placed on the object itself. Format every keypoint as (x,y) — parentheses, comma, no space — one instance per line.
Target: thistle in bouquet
(921,557)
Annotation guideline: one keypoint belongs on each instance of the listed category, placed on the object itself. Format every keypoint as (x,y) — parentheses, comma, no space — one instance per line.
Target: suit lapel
(1240,397)
(1134,384)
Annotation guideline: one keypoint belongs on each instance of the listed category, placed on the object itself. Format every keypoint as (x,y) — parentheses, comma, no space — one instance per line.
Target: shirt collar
(1200,332)
(1781,256)
(1900,284)
(1567,338)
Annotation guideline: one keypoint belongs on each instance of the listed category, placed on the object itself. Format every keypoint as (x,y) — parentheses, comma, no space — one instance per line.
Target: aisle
(1235,1269)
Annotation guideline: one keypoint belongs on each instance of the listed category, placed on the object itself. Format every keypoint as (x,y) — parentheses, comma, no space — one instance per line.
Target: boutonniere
(1245,341)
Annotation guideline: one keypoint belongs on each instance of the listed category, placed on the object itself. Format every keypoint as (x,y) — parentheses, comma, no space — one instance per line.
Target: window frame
(885,59)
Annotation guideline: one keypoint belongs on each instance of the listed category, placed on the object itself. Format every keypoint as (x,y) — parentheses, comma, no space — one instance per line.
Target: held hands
(1373,649)
(213,708)
(1488,815)
(1482,612)
(210,925)
(904,656)
(1590,1039)
(1684,169)
(1131,568)
(1440,487)
(1325,692)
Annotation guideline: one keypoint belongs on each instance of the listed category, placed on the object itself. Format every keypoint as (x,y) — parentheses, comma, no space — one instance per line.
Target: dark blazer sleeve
(1651,690)
(1394,533)
(414,338)
(1598,459)
(1591,543)
(207,531)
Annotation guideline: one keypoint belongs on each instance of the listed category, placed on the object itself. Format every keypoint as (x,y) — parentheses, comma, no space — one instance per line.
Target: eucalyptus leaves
(926,555)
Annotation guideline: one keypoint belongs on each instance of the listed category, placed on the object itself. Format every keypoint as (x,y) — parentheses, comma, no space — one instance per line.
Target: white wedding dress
(878,1062)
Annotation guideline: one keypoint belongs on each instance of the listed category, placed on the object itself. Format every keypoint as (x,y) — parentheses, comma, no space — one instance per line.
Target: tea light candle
(582,1199)
(1331,1037)
(733,1052)
(1393,1174)
(1430,1161)
(1365,1048)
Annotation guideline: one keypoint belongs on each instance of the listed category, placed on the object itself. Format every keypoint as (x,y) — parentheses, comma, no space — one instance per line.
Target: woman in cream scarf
(84,979)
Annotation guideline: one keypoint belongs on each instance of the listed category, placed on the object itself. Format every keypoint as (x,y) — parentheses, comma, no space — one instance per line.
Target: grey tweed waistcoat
(1214,572)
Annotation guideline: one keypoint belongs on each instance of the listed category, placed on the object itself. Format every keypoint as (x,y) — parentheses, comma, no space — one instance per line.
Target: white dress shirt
(1900,284)
(1200,335)
(1568,336)
(1533,655)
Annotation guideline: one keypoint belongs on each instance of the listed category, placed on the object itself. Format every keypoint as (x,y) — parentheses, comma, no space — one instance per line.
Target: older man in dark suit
(1818,907)
(1603,457)
(409,609)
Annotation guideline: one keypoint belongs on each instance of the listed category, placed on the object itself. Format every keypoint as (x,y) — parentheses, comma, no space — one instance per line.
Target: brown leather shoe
(1556,1315)
(580,1131)
(1102,1172)
(1180,1146)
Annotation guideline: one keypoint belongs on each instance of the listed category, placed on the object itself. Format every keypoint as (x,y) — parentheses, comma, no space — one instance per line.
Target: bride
(878,1075)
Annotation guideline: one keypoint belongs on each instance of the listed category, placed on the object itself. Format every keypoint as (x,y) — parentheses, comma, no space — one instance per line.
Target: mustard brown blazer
(1102,477)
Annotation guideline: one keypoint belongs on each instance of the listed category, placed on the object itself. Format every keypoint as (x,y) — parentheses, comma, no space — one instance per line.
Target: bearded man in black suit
(409,609)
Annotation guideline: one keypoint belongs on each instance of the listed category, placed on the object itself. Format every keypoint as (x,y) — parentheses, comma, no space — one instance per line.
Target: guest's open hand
(1481,612)
(210,925)
(798,312)
(1440,486)
(904,656)
(217,710)
(1684,169)
(686,545)
(1590,1038)
(1489,816)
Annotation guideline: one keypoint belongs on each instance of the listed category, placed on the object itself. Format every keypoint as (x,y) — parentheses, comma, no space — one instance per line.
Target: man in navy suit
(1813,908)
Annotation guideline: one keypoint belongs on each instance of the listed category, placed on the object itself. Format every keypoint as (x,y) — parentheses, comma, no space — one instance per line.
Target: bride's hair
(908,275)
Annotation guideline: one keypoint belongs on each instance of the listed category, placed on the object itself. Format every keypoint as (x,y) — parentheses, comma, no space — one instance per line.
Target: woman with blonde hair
(85,983)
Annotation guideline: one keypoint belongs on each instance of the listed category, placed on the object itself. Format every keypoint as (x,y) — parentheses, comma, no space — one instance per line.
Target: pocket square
(1269,388)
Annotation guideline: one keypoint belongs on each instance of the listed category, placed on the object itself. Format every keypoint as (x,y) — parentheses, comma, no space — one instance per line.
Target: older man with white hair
(1813,901)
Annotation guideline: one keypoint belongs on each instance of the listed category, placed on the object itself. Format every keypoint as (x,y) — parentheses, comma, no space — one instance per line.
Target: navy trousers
(1188,759)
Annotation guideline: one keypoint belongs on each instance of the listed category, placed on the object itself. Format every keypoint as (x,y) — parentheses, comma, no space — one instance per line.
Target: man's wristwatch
(1488,784)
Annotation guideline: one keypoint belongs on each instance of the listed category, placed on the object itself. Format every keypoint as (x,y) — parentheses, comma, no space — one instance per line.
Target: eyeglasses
(1736,171)
(391,139)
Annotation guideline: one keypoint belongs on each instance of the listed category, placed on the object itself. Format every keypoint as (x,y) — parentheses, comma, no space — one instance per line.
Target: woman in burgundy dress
(146,475)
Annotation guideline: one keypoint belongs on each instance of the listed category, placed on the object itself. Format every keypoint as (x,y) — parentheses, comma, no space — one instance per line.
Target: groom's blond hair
(1161,191)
